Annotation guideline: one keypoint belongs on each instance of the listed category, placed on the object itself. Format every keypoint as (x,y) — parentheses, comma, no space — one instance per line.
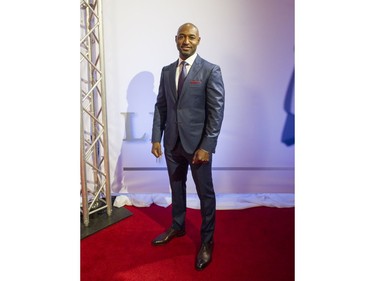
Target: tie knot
(183,63)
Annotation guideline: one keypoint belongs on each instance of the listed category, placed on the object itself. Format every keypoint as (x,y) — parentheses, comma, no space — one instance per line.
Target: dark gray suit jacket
(197,114)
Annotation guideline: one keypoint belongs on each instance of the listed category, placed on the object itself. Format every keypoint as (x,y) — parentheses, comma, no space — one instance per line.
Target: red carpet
(255,244)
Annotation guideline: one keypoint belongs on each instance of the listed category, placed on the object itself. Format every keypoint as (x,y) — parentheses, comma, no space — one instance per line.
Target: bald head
(188,25)
(187,40)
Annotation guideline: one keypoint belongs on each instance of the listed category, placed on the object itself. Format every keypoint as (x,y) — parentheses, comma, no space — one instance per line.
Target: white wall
(252,41)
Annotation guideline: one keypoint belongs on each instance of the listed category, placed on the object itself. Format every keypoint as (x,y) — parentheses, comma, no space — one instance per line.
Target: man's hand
(201,156)
(156,149)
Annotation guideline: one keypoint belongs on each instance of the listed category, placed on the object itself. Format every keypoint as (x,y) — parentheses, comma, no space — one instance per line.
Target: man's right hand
(156,149)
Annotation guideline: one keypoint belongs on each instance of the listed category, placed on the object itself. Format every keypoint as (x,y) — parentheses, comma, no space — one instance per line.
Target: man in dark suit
(189,112)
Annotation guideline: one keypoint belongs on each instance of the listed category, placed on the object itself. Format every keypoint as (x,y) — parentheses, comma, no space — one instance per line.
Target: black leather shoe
(204,256)
(167,236)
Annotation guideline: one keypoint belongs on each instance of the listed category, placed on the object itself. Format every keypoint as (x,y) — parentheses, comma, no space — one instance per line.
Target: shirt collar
(190,60)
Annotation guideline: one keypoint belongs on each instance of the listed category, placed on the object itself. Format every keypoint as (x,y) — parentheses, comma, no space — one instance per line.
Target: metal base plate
(101,220)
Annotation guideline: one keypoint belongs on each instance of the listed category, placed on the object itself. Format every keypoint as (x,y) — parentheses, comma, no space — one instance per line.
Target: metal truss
(95,183)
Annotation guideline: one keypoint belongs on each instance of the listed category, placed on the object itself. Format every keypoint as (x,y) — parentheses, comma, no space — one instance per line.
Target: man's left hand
(201,156)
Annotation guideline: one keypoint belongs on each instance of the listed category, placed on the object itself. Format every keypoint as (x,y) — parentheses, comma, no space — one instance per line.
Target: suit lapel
(194,68)
(172,79)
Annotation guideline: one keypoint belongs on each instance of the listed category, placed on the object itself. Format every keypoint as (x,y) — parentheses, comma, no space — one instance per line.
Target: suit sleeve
(215,95)
(160,113)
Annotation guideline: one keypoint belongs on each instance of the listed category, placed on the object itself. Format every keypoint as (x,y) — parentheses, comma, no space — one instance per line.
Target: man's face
(187,40)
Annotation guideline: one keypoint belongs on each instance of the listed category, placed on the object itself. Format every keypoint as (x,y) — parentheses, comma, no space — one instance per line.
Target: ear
(175,38)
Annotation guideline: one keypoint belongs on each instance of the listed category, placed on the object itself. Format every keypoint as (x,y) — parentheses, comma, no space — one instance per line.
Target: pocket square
(195,82)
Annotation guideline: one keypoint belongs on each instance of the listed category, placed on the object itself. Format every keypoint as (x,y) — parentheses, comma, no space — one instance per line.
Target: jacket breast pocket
(195,84)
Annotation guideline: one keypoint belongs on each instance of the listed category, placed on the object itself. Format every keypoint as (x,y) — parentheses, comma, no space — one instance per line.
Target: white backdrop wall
(252,41)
